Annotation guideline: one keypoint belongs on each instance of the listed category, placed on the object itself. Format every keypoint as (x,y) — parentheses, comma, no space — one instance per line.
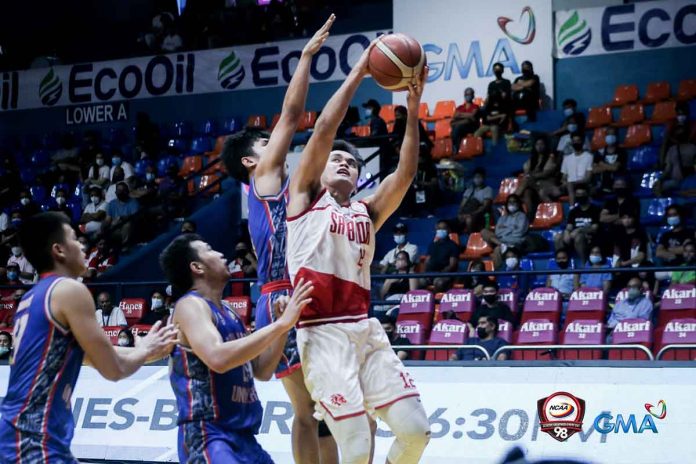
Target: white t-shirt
(390,257)
(104,172)
(24,266)
(115,318)
(565,145)
(575,167)
(110,193)
(91,208)
(127,170)
(4,221)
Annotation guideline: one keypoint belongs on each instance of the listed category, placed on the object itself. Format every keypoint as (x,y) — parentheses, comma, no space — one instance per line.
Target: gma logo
(605,423)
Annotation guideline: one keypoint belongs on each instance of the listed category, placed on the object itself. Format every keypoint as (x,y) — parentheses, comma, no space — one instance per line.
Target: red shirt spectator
(101,259)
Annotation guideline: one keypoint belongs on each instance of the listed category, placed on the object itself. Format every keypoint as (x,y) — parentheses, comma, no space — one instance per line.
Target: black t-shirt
(625,241)
(503,86)
(440,253)
(629,206)
(580,218)
(497,310)
(401,341)
(673,238)
(378,126)
(534,90)
(399,287)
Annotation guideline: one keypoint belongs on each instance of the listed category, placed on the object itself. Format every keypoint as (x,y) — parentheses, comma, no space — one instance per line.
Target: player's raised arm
(393,188)
(306,181)
(72,302)
(271,166)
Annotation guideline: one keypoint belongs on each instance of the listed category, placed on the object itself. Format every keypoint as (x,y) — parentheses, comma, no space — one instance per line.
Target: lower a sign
(96,114)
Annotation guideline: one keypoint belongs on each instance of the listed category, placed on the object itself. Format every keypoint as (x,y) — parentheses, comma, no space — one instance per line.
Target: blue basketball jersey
(228,399)
(267,229)
(45,366)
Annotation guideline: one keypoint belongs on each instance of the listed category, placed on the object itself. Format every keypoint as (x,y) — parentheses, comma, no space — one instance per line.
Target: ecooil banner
(477,414)
(187,73)
(462,40)
(632,27)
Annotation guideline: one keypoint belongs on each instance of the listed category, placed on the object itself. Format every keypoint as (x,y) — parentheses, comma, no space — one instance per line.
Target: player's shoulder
(67,287)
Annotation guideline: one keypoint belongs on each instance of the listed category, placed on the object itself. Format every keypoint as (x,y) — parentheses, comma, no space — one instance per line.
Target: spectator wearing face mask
(120,214)
(395,338)
(397,287)
(107,314)
(465,120)
(576,169)
(5,345)
(486,336)
(511,230)
(443,256)
(564,283)
(27,274)
(118,176)
(490,306)
(565,142)
(629,245)
(117,161)
(526,91)
(126,339)
(635,306)
(582,226)
(499,85)
(12,275)
(623,204)
(476,202)
(377,124)
(388,263)
(27,206)
(61,204)
(158,310)
(570,110)
(675,130)
(496,117)
(172,192)
(99,172)
(473,282)
(670,248)
(518,282)
(94,213)
(609,163)
(679,163)
(541,171)
(595,280)
(688,275)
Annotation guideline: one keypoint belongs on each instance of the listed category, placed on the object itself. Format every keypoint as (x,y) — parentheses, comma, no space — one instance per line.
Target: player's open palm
(159,342)
(290,313)
(319,37)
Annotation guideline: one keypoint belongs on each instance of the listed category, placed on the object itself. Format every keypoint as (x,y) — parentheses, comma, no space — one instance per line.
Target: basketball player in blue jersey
(54,330)
(212,369)
(257,159)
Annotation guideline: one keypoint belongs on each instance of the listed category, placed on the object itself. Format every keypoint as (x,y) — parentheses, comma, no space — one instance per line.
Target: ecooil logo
(574,36)
(531,27)
(230,72)
(50,88)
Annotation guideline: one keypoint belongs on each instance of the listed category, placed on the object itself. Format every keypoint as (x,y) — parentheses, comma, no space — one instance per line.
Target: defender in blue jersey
(212,369)
(257,159)
(54,330)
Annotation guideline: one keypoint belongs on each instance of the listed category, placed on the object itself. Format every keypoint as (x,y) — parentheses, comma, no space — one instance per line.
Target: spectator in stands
(489,306)
(582,226)
(189,227)
(120,214)
(676,130)
(486,336)
(5,345)
(377,124)
(629,243)
(12,275)
(518,282)
(4,221)
(688,275)
(125,338)
(511,230)
(388,263)
(101,259)
(399,130)
(526,91)
(474,282)
(670,248)
(570,109)
(158,310)
(27,206)
(117,161)
(476,203)
(443,256)
(99,173)
(422,196)
(623,204)
(27,274)
(564,283)
(61,204)
(679,164)
(465,120)
(598,280)
(396,287)
(172,193)
(94,213)
(500,85)
(635,306)
(107,314)
(244,261)
(117,177)
(541,171)
(576,169)
(395,338)
(496,117)
(565,142)
(609,163)
(171,41)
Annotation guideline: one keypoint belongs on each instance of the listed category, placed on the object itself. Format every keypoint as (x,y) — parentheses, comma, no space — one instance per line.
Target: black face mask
(562,264)
(498,73)
(621,192)
(577,146)
(490,299)
(481,332)
(527,72)
(583,200)
(241,253)
(123,196)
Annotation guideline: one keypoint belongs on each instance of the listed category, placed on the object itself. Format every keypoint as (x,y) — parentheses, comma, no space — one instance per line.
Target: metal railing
(443,347)
(503,349)
(672,347)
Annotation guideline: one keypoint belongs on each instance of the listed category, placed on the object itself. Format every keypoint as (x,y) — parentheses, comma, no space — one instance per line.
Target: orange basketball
(395,61)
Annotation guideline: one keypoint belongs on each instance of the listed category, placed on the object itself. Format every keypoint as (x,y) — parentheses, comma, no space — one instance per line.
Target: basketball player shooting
(347,360)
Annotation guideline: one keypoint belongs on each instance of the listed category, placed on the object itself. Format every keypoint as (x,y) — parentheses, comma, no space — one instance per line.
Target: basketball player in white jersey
(347,361)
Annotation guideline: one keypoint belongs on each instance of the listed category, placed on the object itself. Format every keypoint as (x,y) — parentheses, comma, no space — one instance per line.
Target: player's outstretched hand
(319,37)
(415,90)
(291,309)
(159,341)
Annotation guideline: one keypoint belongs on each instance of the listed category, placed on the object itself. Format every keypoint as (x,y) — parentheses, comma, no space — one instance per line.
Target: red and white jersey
(333,246)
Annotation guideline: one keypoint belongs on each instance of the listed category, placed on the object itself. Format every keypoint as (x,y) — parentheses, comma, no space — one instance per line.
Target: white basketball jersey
(333,246)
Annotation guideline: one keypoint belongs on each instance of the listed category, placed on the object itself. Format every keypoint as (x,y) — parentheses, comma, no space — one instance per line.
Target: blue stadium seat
(208,128)
(230,126)
(200,145)
(141,167)
(77,192)
(182,129)
(41,159)
(38,193)
(76,210)
(656,211)
(646,184)
(56,187)
(548,236)
(178,144)
(164,163)
(27,176)
(643,158)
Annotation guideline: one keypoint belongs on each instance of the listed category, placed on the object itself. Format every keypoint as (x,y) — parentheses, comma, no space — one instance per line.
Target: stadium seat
(647,181)
(677,332)
(587,303)
(548,236)
(38,193)
(423,111)
(643,158)
(508,297)
(444,109)
(476,247)
(361,131)
(209,185)
(443,129)
(308,120)
(442,149)
(180,145)
(460,301)
(542,303)
(657,92)
(656,211)
(208,128)
(598,117)
(200,145)
(631,331)
(190,165)
(112,331)
(507,187)
(140,167)
(663,112)
(64,187)
(257,121)
(637,135)
(387,113)
(687,90)
(219,144)
(630,114)
(547,215)
(446,332)
(678,302)
(598,138)
(242,306)
(416,334)
(133,309)
(419,306)
(536,332)
(623,294)
(469,147)
(164,163)
(582,332)
(625,94)
(505,330)
(138,329)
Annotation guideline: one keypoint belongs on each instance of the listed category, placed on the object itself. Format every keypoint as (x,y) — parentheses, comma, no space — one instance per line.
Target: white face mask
(399,239)
(100,162)
(122,342)
(156,303)
(4,350)
(513,208)
(96,200)
(511,263)
(611,159)
(681,118)
(17,251)
(60,201)
(24,201)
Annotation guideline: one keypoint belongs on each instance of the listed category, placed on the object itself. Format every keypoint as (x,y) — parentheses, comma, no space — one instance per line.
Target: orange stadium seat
(443,129)
(631,114)
(257,121)
(599,116)
(507,188)
(219,144)
(191,164)
(308,120)
(361,131)
(625,94)
(213,166)
(442,149)
(208,180)
(444,109)
(387,113)
(656,92)
(470,147)
(598,136)
(547,215)
(636,136)
(687,89)
(423,111)
(663,112)
(476,247)
(479,101)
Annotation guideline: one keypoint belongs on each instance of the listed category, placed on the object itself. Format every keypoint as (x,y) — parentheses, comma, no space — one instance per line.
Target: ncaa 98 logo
(561,415)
